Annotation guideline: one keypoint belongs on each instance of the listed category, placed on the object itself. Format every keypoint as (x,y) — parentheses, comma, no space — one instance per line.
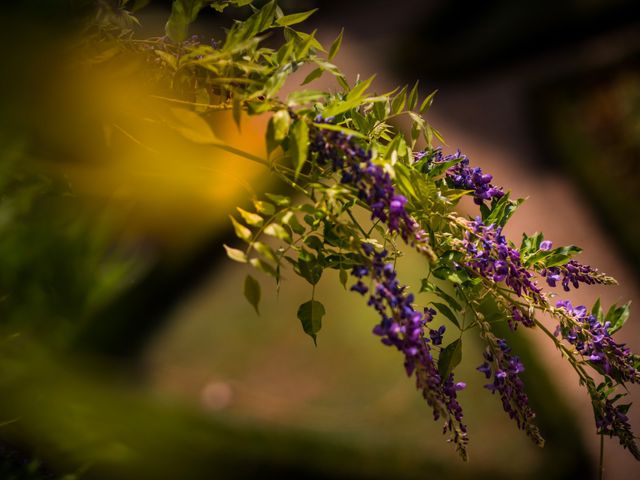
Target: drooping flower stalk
(404,327)
(575,273)
(596,345)
(505,369)
(612,420)
(401,325)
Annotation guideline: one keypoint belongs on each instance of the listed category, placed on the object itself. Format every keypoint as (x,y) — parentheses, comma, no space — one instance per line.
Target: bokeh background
(127,349)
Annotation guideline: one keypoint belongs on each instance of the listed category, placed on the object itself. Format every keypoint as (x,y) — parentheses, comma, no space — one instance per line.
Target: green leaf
(299,145)
(343,82)
(285,52)
(235,254)
(359,90)
(597,312)
(264,250)
(263,267)
(446,273)
(618,316)
(252,292)
(310,315)
(343,278)
(429,287)
(426,104)
(446,311)
(242,232)
(450,358)
(398,102)
(252,219)
(277,129)
(278,231)
(413,97)
(315,73)
(183,12)
(310,269)
(264,207)
(502,209)
(335,46)
(305,96)
(290,219)
(295,18)
(280,200)
(339,128)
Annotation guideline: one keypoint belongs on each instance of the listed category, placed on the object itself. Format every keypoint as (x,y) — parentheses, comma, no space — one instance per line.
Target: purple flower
(505,369)
(574,273)
(372,183)
(546,245)
(594,342)
(462,176)
(612,420)
(489,255)
(405,328)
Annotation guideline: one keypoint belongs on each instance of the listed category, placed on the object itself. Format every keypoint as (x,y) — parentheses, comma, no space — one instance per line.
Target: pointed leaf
(315,73)
(294,18)
(235,254)
(450,358)
(299,144)
(264,207)
(242,232)
(426,104)
(279,200)
(252,219)
(278,231)
(413,97)
(335,46)
(310,315)
(446,311)
(252,292)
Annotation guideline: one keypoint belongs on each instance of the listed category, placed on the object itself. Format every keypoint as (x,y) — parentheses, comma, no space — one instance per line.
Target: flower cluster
(612,420)
(372,183)
(574,273)
(404,327)
(506,369)
(464,177)
(594,342)
(489,254)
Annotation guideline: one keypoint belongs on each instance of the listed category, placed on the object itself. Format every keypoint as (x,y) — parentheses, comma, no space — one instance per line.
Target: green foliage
(252,292)
(310,315)
(450,358)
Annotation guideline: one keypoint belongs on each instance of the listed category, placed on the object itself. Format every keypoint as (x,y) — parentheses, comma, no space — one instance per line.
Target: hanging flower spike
(404,327)
(596,345)
(505,370)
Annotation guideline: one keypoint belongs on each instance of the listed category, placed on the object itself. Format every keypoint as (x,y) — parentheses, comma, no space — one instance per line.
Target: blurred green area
(92,387)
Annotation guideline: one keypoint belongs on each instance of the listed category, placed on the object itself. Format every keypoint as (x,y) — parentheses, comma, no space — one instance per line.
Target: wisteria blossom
(505,369)
(403,327)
